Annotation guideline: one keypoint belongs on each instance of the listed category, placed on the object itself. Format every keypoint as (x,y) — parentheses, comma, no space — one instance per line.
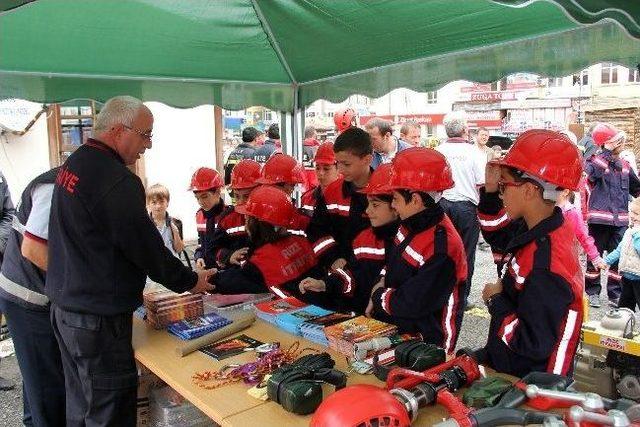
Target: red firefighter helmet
(269,204)
(420,169)
(547,155)
(379,181)
(281,169)
(604,133)
(360,405)
(325,154)
(205,179)
(245,174)
(344,118)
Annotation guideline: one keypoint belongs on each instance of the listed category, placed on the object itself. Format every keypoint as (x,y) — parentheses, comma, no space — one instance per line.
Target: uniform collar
(424,220)
(94,143)
(387,231)
(543,228)
(214,211)
(349,189)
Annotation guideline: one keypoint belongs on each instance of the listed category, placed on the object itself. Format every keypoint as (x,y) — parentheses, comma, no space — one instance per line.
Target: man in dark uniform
(6,216)
(270,146)
(245,150)
(102,246)
(22,299)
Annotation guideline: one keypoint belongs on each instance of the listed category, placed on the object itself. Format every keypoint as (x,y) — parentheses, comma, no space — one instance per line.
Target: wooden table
(231,405)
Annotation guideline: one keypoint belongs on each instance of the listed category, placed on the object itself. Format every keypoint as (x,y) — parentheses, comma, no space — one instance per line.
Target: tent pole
(295,125)
(218,135)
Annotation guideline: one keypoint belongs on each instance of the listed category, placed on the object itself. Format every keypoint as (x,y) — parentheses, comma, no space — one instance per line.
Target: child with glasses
(536,305)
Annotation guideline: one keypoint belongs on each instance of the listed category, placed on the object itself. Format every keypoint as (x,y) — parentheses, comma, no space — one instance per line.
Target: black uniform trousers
(464,216)
(630,297)
(99,367)
(39,360)
(607,238)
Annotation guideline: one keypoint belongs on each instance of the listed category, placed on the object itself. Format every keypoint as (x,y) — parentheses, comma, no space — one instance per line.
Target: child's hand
(491,177)
(313,285)
(238,256)
(200,265)
(600,264)
(339,263)
(491,289)
(369,309)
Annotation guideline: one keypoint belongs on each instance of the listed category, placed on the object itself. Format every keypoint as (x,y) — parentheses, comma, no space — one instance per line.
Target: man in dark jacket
(27,308)
(270,146)
(245,150)
(102,247)
(6,216)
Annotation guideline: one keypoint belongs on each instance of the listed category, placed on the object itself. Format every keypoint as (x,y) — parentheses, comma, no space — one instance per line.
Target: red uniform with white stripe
(274,267)
(229,236)
(354,282)
(424,282)
(206,222)
(337,220)
(536,319)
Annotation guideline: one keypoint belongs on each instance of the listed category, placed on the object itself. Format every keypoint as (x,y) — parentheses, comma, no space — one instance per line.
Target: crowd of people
(384,228)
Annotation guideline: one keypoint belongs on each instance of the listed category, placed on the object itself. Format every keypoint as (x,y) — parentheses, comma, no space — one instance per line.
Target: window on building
(581,78)
(503,84)
(609,73)
(432,97)
(634,75)
(70,125)
(554,82)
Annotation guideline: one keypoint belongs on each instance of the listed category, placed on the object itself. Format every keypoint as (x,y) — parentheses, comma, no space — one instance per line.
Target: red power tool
(405,393)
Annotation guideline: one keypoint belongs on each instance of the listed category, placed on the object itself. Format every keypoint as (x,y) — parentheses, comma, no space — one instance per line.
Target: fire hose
(405,393)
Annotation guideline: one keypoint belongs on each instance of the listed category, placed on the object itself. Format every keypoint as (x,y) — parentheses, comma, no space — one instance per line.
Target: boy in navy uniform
(426,268)
(341,217)
(536,306)
(326,172)
(230,240)
(353,282)
(206,185)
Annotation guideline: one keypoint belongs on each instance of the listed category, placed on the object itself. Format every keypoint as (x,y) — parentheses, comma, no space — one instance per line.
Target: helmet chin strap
(435,195)
(549,191)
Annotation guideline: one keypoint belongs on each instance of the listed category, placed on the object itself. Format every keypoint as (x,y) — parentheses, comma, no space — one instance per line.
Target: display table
(230,405)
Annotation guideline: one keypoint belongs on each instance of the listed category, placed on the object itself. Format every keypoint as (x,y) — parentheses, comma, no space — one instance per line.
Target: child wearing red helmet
(326,172)
(426,269)
(284,172)
(277,260)
(352,283)
(206,185)
(341,216)
(612,181)
(230,240)
(536,306)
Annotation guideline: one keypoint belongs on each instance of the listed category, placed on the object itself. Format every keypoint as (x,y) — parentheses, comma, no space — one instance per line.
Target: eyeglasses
(145,135)
(502,185)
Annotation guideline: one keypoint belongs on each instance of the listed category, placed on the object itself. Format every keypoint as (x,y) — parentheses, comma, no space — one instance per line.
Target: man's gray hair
(117,110)
(408,125)
(384,126)
(455,123)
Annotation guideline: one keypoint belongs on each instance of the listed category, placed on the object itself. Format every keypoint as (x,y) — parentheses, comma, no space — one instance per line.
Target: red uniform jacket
(424,282)
(229,236)
(206,224)
(536,319)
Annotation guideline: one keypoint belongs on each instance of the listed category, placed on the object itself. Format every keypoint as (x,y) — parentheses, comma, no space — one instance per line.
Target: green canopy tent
(285,54)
